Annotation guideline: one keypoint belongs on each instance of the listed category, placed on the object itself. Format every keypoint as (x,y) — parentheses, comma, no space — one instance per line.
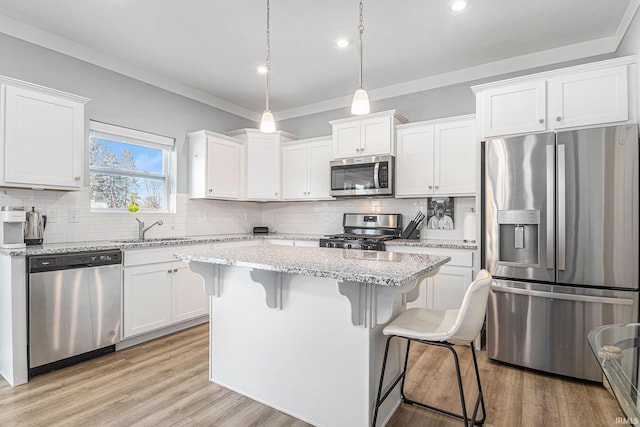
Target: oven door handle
(562,296)
(376,173)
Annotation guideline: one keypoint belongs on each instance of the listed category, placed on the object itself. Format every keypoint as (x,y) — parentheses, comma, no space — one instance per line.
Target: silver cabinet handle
(541,120)
(175,270)
(211,190)
(562,214)
(437,187)
(430,187)
(77,178)
(169,271)
(560,296)
(558,119)
(551,164)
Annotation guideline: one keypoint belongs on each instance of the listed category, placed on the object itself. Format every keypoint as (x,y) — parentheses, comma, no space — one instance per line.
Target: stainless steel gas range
(365,231)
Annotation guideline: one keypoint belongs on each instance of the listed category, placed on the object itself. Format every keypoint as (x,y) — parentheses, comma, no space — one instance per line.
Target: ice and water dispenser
(519,237)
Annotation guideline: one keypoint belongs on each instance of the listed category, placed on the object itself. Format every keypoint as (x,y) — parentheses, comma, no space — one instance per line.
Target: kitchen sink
(157,239)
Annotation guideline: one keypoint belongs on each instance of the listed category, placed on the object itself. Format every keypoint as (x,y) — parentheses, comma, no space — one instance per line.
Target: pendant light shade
(360,103)
(268,123)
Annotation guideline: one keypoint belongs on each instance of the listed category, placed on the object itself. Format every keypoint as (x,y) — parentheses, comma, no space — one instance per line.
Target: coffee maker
(12,221)
(34,227)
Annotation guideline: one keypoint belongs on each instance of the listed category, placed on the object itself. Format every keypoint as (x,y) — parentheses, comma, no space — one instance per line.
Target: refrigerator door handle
(550,205)
(562,231)
(561,296)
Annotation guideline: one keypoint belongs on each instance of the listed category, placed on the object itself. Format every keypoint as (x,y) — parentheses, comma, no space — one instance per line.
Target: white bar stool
(442,328)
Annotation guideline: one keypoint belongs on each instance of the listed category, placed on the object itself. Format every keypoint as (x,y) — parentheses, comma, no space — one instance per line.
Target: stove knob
(332,245)
(348,245)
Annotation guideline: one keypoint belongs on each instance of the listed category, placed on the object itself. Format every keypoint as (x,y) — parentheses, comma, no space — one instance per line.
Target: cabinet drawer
(459,258)
(157,255)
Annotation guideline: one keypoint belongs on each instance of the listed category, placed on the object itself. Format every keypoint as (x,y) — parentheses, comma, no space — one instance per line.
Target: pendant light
(268,123)
(360,104)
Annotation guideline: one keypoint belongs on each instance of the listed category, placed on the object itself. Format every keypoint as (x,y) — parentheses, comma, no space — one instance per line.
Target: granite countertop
(124,244)
(433,243)
(379,268)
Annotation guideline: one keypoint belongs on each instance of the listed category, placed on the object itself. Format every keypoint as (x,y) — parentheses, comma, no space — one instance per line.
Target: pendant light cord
(361,30)
(268,62)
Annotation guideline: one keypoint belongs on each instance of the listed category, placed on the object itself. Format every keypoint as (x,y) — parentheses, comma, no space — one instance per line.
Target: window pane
(118,191)
(123,156)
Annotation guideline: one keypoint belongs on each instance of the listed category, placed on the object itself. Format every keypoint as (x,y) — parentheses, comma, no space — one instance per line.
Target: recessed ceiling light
(262,69)
(342,43)
(458,5)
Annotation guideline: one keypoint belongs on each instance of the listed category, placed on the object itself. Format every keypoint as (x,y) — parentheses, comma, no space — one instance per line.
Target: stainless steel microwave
(362,176)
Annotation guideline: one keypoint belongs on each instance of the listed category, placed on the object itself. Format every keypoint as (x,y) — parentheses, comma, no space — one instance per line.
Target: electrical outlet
(74,215)
(51,215)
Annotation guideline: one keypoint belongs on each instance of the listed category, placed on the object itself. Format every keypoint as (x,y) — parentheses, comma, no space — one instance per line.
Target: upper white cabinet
(305,169)
(215,166)
(263,152)
(436,158)
(368,135)
(513,109)
(42,137)
(584,95)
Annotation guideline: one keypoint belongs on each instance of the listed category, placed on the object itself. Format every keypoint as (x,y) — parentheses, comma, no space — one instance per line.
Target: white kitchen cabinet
(215,166)
(584,95)
(263,152)
(446,289)
(159,292)
(306,173)
(596,96)
(369,135)
(436,158)
(512,109)
(43,137)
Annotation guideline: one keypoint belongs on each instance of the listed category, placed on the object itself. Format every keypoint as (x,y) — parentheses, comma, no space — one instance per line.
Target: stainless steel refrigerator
(560,220)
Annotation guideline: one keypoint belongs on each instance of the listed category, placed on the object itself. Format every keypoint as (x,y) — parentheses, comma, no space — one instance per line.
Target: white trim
(130,135)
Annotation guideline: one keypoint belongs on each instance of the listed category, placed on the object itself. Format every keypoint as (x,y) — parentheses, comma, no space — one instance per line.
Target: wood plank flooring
(165,383)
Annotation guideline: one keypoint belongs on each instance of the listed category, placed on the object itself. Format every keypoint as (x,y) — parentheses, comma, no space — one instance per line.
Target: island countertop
(379,268)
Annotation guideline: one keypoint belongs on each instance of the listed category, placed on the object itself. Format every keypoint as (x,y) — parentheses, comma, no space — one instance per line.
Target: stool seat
(423,324)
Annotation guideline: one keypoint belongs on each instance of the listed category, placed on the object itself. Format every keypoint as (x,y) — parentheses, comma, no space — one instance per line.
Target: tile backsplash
(69,218)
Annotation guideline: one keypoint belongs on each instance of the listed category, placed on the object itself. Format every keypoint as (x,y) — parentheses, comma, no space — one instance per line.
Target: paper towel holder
(469,227)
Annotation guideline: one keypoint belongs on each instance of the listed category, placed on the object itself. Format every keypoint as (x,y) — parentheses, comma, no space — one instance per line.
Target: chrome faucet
(142,230)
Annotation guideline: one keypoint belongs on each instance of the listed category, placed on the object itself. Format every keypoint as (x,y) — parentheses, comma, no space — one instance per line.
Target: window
(128,168)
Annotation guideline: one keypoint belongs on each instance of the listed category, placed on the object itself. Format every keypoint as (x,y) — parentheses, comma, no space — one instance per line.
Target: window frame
(100,130)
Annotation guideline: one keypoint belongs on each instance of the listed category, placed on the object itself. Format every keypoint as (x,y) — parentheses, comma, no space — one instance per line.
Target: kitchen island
(300,329)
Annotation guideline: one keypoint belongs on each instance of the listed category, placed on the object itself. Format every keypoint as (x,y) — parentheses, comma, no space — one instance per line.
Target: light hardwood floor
(164,383)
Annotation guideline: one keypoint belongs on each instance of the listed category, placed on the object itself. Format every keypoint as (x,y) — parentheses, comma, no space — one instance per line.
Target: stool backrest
(473,310)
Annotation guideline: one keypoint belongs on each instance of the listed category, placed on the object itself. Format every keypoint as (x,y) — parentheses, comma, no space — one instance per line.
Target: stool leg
(460,389)
(384,365)
(404,370)
(480,399)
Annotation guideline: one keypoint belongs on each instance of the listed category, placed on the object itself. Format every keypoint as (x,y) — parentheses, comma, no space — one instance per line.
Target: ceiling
(209,49)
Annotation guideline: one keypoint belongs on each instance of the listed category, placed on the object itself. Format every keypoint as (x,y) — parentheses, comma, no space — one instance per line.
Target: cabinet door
(376,136)
(263,167)
(454,166)
(414,160)
(223,169)
(514,109)
(147,298)
(319,156)
(446,289)
(43,139)
(592,97)
(189,297)
(295,172)
(346,140)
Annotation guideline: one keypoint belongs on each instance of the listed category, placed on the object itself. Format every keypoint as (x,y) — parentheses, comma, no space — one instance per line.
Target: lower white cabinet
(446,289)
(158,293)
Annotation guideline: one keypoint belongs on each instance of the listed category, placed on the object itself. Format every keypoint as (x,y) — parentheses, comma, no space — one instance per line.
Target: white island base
(307,358)
(302,340)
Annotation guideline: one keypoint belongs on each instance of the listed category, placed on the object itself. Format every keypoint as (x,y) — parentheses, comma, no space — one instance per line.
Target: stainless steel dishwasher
(74,307)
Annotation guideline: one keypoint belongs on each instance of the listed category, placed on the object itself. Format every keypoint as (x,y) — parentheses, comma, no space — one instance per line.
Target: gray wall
(117,99)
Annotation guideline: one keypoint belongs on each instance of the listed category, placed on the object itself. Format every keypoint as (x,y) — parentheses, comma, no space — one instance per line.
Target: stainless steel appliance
(561,240)
(365,231)
(362,176)
(74,307)
(34,228)
(12,227)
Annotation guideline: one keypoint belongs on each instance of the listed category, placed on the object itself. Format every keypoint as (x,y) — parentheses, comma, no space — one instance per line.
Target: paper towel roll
(469,227)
